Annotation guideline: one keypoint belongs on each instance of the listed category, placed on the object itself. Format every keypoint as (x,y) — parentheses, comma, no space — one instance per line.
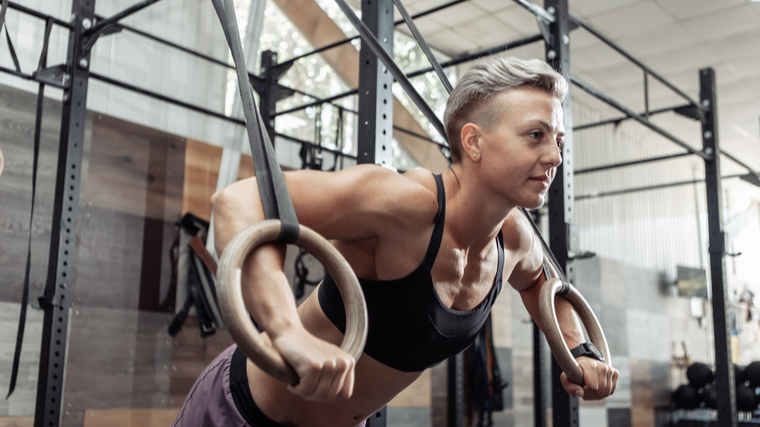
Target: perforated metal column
(565,407)
(375,91)
(56,299)
(727,416)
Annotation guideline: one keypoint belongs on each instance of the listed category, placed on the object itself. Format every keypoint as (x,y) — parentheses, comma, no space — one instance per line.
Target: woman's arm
(360,203)
(528,277)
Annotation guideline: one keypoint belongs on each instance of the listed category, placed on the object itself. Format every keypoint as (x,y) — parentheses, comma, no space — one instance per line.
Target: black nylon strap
(275,198)
(43,56)
(3,9)
(25,294)
(12,51)
(37,133)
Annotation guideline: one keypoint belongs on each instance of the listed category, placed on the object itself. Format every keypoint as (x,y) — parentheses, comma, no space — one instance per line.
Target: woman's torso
(461,282)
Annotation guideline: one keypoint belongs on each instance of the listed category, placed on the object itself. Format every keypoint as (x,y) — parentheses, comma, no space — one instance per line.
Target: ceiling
(674,38)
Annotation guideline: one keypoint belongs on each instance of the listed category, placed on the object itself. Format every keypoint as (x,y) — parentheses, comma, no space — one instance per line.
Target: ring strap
(275,198)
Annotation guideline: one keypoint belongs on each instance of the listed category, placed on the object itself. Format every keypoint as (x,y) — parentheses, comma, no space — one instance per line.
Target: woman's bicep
(349,204)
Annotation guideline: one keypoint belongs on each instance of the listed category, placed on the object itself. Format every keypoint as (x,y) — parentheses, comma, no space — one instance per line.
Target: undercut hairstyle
(487,79)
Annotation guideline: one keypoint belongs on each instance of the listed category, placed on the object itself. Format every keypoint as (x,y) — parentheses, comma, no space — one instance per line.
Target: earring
(474,156)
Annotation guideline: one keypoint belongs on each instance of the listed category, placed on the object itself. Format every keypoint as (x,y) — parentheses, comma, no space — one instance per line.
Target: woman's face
(522,148)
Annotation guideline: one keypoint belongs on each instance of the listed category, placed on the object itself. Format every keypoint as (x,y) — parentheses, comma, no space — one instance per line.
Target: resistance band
(272,189)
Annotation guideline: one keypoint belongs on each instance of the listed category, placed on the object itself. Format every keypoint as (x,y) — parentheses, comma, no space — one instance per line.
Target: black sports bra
(410,329)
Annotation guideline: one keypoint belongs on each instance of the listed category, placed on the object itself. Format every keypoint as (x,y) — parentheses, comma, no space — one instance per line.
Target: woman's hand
(601,380)
(326,372)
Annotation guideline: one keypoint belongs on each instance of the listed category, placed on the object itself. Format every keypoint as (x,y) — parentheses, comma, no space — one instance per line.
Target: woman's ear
(470,138)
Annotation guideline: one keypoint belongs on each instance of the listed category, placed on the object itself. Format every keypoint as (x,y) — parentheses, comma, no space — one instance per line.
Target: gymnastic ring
(236,316)
(2,162)
(548,314)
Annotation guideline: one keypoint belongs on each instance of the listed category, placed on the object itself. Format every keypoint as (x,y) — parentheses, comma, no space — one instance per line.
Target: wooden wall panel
(201,173)
(135,169)
(132,200)
(130,197)
(125,360)
(17,116)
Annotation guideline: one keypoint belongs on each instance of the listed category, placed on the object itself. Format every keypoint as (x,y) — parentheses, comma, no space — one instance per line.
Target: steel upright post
(58,287)
(376,106)
(375,92)
(565,407)
(541,381)
(724,373)
(267,97)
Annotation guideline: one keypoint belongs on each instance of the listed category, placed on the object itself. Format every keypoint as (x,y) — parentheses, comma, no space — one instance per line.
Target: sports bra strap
(440,217)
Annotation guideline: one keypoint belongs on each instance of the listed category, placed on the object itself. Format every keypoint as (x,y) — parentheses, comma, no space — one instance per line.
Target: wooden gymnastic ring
(548,315)
(236,316)
(1,162)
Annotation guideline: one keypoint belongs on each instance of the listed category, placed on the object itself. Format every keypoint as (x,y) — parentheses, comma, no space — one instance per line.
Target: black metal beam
(455,391)
(350,39)
(631,163)
(620,119)
(648,188)
(564,406)
(741,163)
(102,24)
(170,44)
(29,77)
(536,10)
(724,372)
(416,135)
(311,144)
(165,98)
(56,299)
(38,14)
(541,381)
(318,102)
(641,65)
(375,87)
(316,98)
(473,56)
(268,99)
(611,102)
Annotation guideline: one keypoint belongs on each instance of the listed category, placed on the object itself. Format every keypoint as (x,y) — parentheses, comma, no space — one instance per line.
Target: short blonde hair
(487,79)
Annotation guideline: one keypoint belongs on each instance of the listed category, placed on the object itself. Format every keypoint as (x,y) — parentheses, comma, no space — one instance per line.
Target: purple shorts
(221,396)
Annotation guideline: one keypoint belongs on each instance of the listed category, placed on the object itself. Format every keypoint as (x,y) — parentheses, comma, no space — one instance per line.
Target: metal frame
(57,294)
(561,200)
(724,372)
(705,112)
(375,87)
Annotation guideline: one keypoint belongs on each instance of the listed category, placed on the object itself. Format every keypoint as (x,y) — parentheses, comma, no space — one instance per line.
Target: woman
(430,253)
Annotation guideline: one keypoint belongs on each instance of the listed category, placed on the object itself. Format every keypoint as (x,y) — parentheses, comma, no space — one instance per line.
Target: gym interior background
(640,247)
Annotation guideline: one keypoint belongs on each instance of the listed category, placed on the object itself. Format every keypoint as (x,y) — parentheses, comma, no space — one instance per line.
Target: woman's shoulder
(517,232)
(408,198)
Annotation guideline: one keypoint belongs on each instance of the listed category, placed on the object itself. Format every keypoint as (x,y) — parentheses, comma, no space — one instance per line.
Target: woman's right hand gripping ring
(236,317)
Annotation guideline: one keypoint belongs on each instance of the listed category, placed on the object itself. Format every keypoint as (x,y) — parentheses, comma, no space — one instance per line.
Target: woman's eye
(535,134)
(560,143)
